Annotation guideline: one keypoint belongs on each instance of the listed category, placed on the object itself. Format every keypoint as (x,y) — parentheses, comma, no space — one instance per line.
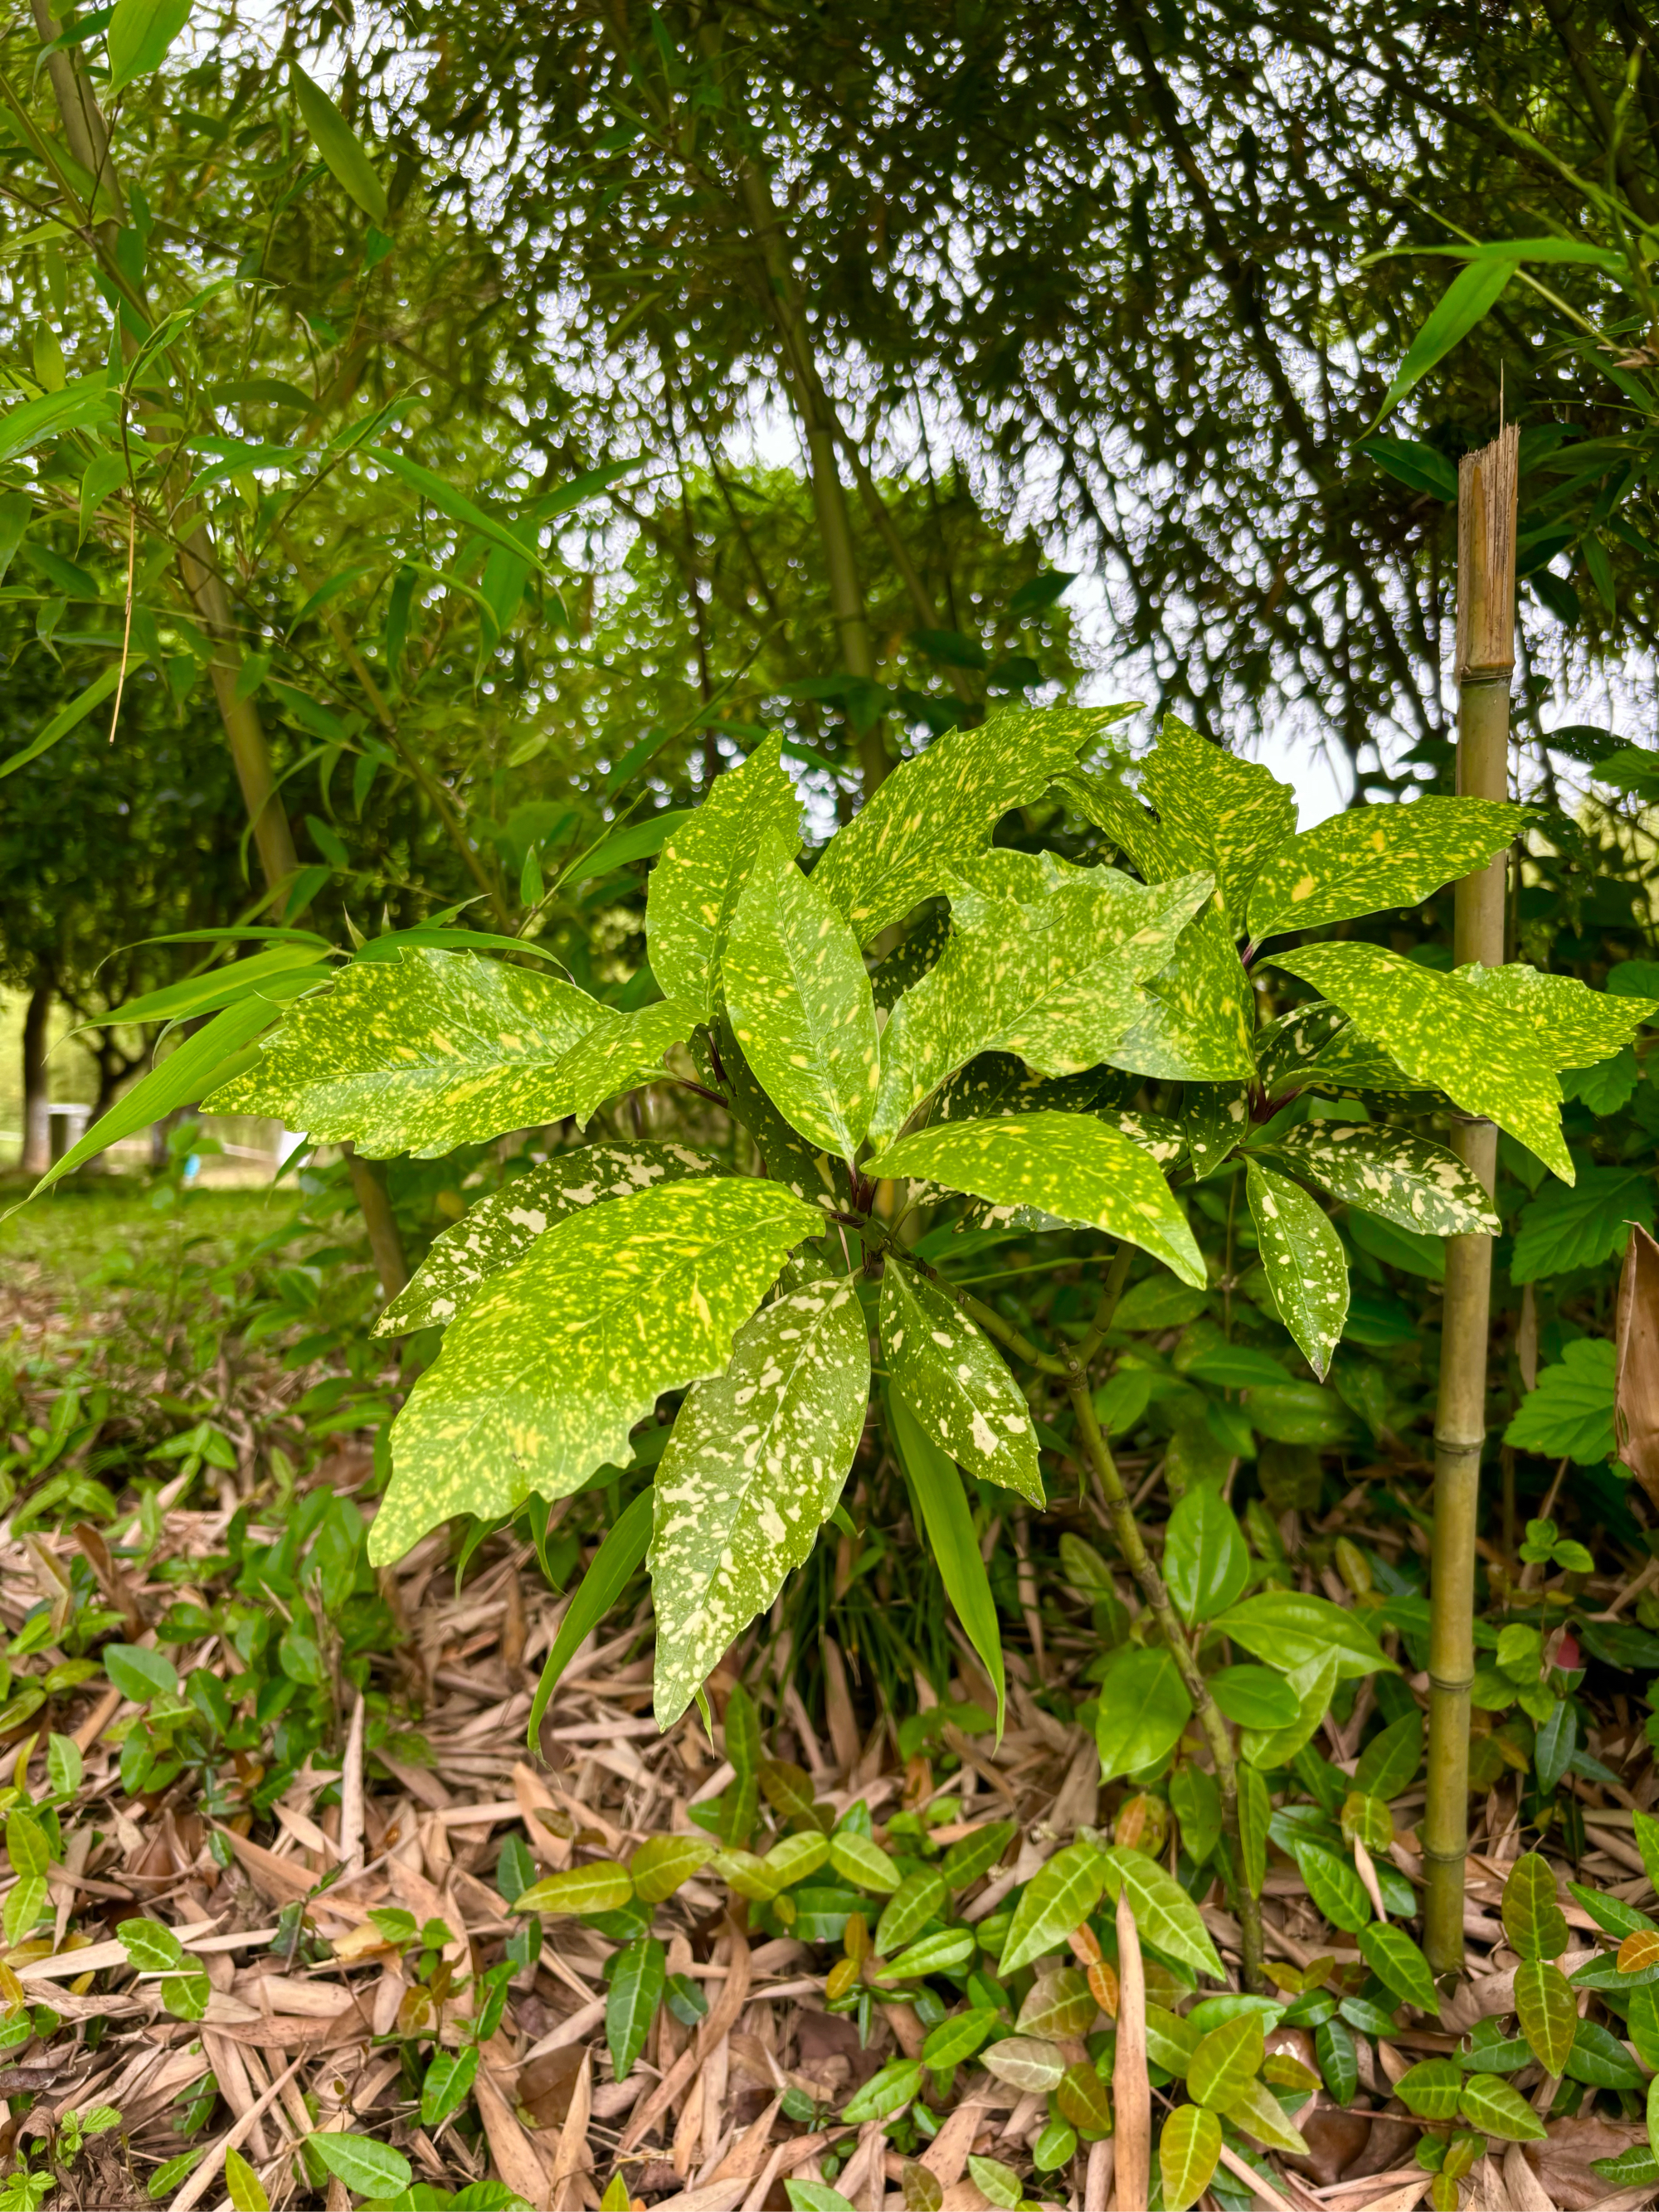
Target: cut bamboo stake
(1130,2089)
(1485,661)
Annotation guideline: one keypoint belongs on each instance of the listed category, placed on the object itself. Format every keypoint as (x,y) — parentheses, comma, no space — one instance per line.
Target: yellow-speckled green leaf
(1189,2152)
(1375,858)
(541,1379)
(695,884)
(751,1473)
(800,1001)
(435,1049)
(499,1230)
(935,810)
(1575,1026)
(1405,1179)
(1215,811)
(1214,1118)
(1198,1027)
(954,1382)
(1306,1267)
(1446,1034)
(1052,978)
(1069,1165)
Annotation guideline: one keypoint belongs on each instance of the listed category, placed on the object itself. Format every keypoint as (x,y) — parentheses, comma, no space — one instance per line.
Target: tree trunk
(37,1125)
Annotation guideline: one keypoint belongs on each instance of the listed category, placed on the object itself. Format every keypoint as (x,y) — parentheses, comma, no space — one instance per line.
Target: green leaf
(598,1886)
(1491,2104)
(630,2005)
(1417,1185)
(1313,1683)
(1196,1803)
(1255,1813)
(1289,1628)
(1028,2063)
(943,1952)
(955,1385)
(1259,2112)
(696,885)
(1205,1565)
(1572,1025)
(498,1230)
(541,1380)
(140,33)
(1390,1761)
(976,1854)
(1431,2089)
(1547,2009)
(1445,1033)
(1306,1267)
(1399,1964)
(1582,1226)
(1599,2059)
(815,2196)
(337,143)
(274,974)
(139,1673)
(1254,1697)
(1569,1415)
(1466,300)
(1197,1025)
(613,1567)
(1414,464)
(1339,2062)
(1165,1916)
(948,1526)
(435,1049)
(886,2092)
(367,2168)
(26,1901)
(87,400)
(151,1948)
(941,806)
(920,1898)
(1533,1918)
(243,2186)
(64,1765)
(856,1859)
(662,1862)
(1189,2152)
(996,2184)
(753,1470)
(1333,1883)
(26,1844)
(1070,1165)
(1044,961)
(1059,1897)
(1374,859)
(449,2078)
(799,1002)
(1144,1706)
(1226,2059)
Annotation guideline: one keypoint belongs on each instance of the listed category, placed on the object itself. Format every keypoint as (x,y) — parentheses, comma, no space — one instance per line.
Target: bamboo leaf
(799,1002)
(1165,1916)
(539,1382)
(955,1385)
(1144,1706)
(942,1511)
(1373,859)
(637,1977)
(87,400)
(1070,1165)
(1533,1918)
(1306,1267)
(1466,300)
(1547,2009)
(1402,1178)
(753,1469)
(1059,1897)
(67,718)
(695,884)
(338,144)
(613,1567)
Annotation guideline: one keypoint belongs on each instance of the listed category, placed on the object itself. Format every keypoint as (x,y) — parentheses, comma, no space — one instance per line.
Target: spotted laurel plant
(993,1068)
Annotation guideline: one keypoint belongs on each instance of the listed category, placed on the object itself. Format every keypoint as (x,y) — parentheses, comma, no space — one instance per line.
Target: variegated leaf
(1306,1268)
(996,1083)
(499,1228)
(696,883)
(435,1049)
(955,1385)
(1575,1026)
(1070,1165)
(800,1001)
(817,1177)
(751,1473)
(1375,858)
(1215,811)
(1405,1179)
(1447,1034)
(1197,1028)
(541,1380)
(1215,1117)
(937,809)
(1052,978)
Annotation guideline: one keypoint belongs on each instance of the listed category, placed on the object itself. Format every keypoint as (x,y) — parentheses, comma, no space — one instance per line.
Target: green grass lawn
(71,1230)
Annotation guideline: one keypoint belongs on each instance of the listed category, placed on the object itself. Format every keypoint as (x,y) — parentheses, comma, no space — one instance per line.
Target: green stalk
(1485,659)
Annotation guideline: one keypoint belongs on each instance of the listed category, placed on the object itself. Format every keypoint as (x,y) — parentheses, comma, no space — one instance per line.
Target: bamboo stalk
(1486,660)
(1132,2096)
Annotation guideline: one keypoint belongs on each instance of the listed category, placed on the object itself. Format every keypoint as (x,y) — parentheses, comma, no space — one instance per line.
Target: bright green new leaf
(499,1230)
(87,400)
(1306,1267)
(151,1946)
(1548,2008)
(435,1049)
(25,1900)
(1497,2108)
(263,972)
(954,2040)
(1313,1684)
(799,1002)
(1170,2041)
(1059,1897)
(956,1384)
(1390,1761)
(598,1886)
(920,1898)
(1430,2088)
(1228,2057)
(541,1380)
(1189,2152)
(1373,859)
(449,2078)
(1164,1914)
(337,143)
(242,2184)
(1196,1803)
(637,1977)
(1573,1026)
(662,1862)
(1255,1696)
(1403,1178)
(696,885)
(810,2196)
(752,1471)
(140,33)
(796,1856)
(1288,1628)
(25,1844)
(948,1526)
(1569,1414)
(139,1673)
(941,806)
(367,2168)
(1466,300)
(1398,1964)
(886,2092)
(1197,1026)
(1259,2112)
(1533,1918)
(1445,1034)
(1070,1165)
(942,1952)
(976,1854)
(1580,1227)
(856,1859)
(1051,974)
(1205,1565)
(1144,1706)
